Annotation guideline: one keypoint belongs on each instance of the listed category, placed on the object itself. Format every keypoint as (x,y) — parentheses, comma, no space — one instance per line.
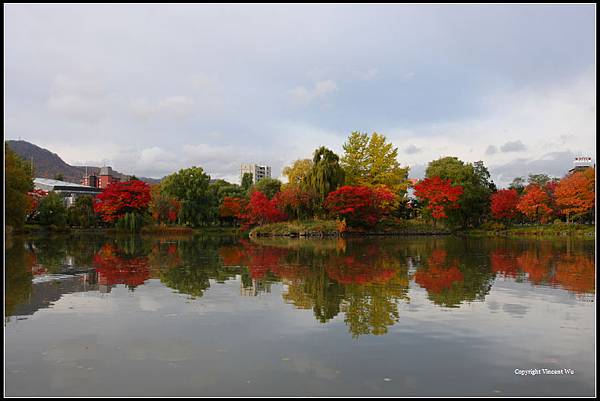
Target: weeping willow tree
(325,175)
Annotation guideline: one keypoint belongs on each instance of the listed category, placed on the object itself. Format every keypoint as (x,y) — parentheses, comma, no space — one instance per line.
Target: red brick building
(102,180)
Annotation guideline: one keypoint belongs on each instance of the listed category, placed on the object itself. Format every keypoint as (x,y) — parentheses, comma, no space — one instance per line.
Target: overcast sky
(150,89)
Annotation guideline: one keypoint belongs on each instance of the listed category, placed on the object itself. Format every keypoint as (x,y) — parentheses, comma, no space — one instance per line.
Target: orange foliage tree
(535,203)
(575,193)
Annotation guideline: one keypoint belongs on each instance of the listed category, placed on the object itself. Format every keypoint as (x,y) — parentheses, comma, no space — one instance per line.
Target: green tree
(477,185)
(373,161)
(52,210)
(297,171)
(246,181)
(518,184)
(18,180)
(59,177)
(539,179)
(82,212)
(219,190)
(190,186)
(268,186)
(326,174)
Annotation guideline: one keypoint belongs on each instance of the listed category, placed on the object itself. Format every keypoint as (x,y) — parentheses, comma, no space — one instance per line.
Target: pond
(226,316)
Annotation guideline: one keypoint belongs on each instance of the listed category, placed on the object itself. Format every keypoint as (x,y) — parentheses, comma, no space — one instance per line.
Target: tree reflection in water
(366,280)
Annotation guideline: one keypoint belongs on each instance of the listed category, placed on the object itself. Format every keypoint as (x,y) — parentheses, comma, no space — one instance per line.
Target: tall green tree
(477,189)
(373,161)
(326,174)
(246,181)
(52,210)
(18,180)
(190,186)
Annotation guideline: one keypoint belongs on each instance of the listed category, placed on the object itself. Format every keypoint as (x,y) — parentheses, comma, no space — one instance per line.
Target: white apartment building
(258,172)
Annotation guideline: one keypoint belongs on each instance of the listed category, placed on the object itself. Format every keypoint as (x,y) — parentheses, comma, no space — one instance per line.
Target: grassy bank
(331,228)
(304,228)
(545,231)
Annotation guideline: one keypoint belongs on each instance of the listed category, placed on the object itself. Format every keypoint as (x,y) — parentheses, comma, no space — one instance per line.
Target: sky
(150,89)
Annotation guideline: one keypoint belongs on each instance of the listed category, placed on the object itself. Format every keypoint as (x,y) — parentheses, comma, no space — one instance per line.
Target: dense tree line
(364,187)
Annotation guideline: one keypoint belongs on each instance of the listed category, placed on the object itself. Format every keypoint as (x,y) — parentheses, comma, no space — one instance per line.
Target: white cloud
(302,95)
(172,106)
(371,74)
(545,121)
(80,100)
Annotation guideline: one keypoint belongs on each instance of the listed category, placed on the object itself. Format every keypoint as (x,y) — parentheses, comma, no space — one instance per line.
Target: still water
(222,316)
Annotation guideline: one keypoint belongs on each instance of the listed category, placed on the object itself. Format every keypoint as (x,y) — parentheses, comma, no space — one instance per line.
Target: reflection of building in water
(49,289)
(257,287)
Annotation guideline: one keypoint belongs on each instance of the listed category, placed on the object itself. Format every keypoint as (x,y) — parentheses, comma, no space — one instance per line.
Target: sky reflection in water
(228,316)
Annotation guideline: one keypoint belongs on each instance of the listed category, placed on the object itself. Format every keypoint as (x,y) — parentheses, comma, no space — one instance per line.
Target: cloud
(555,164)
(412,149)
(173,106)
(515,146)
(370,74)
(302,95)
(491,150)
(541,122)
(80,100)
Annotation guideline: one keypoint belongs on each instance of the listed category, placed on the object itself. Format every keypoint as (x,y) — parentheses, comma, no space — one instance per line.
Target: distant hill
(47,164)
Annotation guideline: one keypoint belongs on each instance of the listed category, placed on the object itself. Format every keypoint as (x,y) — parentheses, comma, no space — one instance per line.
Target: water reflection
(364,280)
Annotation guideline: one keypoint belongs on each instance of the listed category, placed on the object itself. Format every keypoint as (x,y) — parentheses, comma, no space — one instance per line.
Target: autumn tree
(439,196)
(535,203)
(360,205)
(261,210)
(373,161)
(477,186)
(163,208)
(575,194)
(297,171)
(18,181)
(122,198)
(504,204)
(231,208)
(295,202)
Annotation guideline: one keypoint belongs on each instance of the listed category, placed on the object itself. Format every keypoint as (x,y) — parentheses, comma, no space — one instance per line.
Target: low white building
(68,190)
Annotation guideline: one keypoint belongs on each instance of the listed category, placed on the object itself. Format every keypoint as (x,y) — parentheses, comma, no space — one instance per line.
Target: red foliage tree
(504,204)
(360,205)
(122,197)
(35,197)
(535,203)
(439,195)
(261,210)
(231,208)
(294,201)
